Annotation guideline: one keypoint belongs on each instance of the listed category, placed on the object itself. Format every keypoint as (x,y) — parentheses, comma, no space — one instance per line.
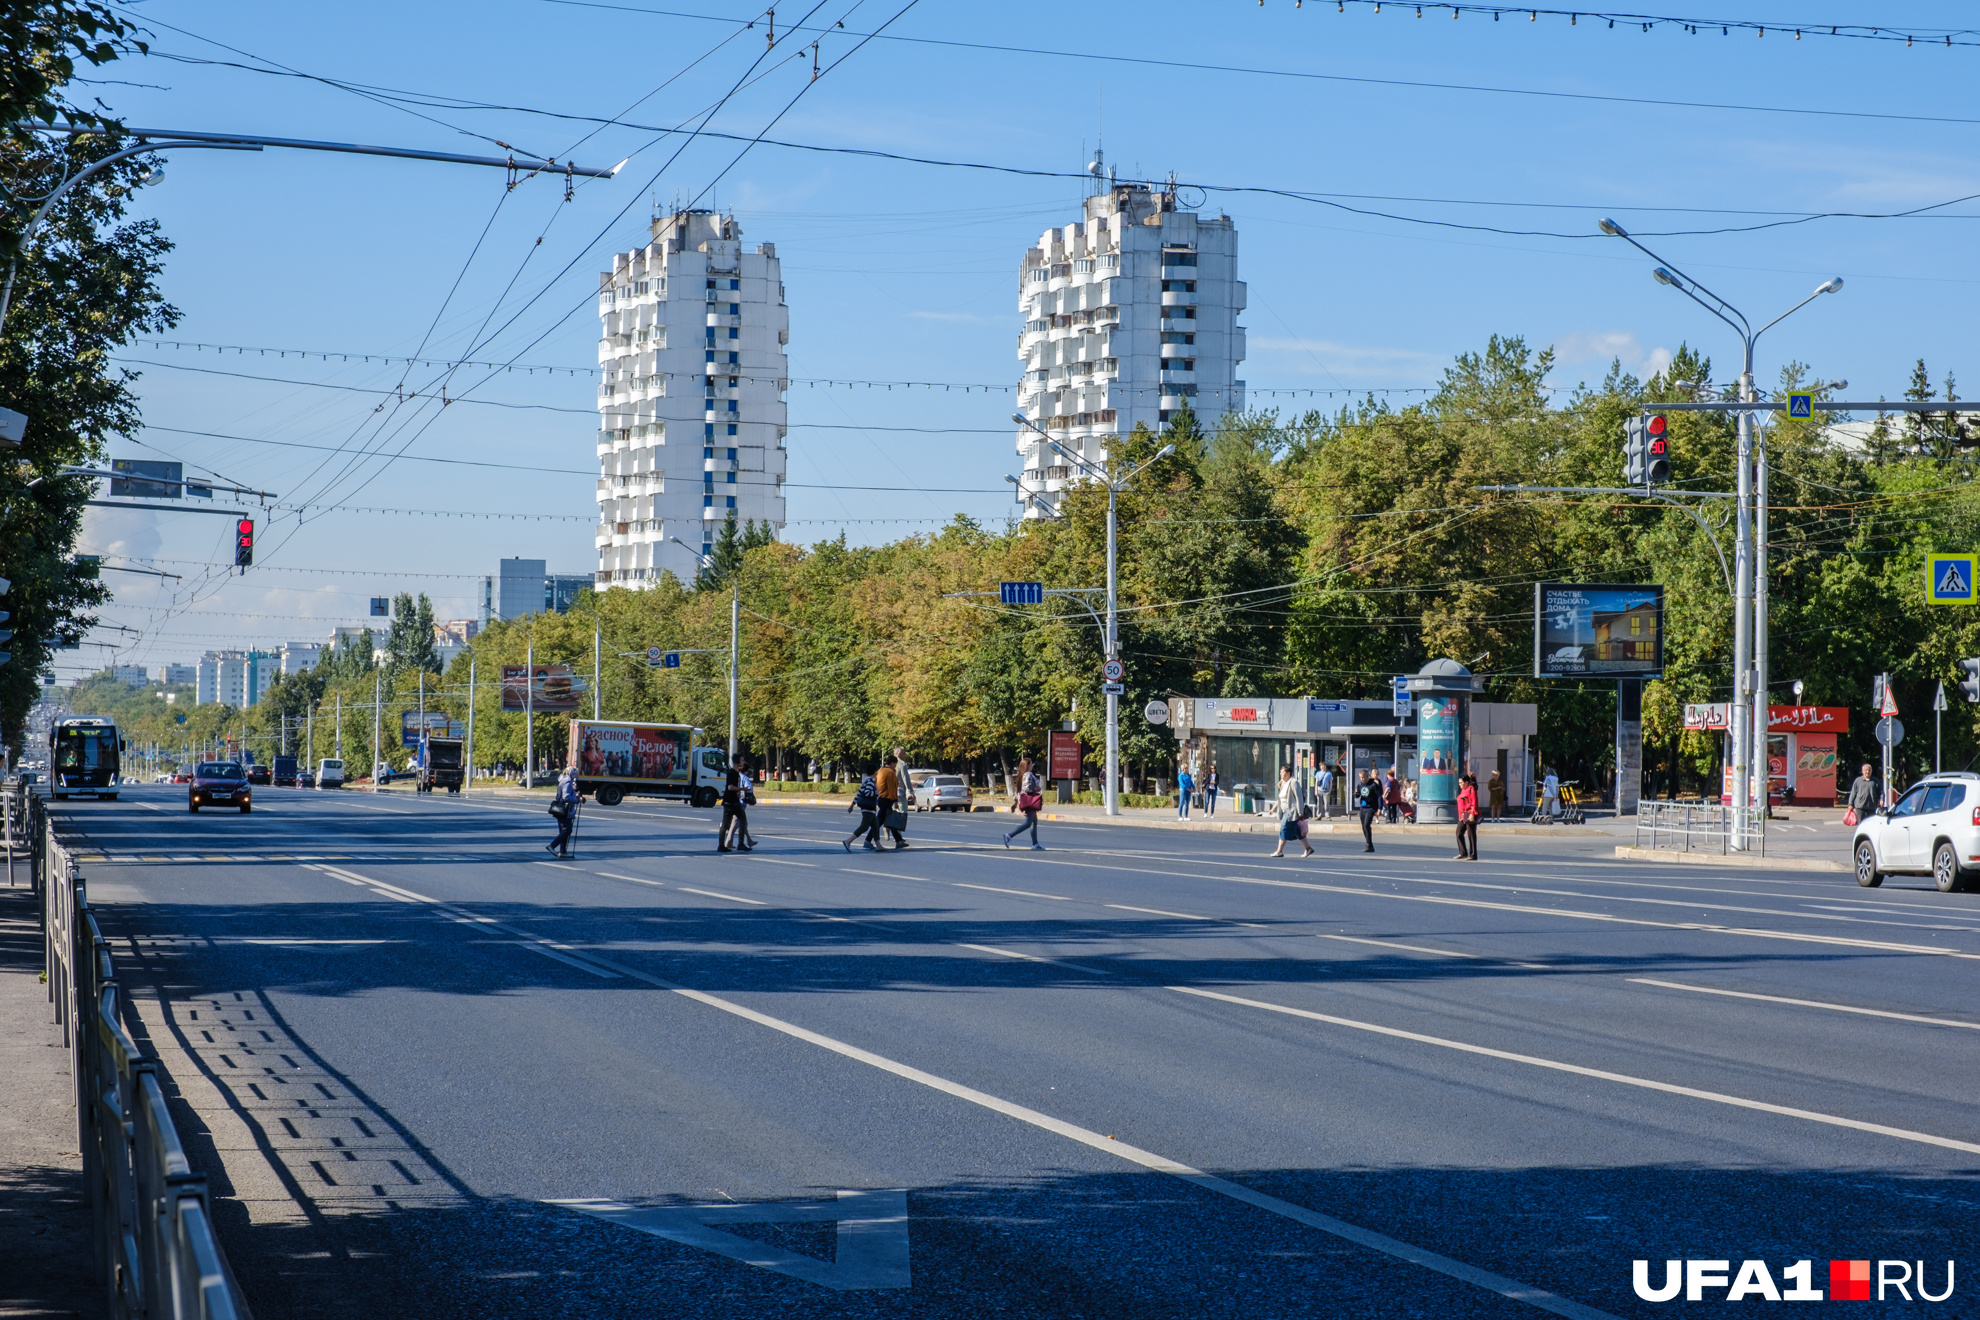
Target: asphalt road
(1137,1074)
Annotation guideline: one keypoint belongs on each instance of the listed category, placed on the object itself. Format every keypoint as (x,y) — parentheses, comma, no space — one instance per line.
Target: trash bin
(1245,804)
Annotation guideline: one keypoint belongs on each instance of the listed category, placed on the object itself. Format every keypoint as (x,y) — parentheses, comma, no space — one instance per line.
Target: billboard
(1597,630)
(1063,755)
(650,752)
(1439,725)
(438,724)
(557,688)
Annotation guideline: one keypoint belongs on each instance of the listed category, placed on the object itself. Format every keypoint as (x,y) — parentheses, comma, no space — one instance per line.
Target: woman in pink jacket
(1467,827)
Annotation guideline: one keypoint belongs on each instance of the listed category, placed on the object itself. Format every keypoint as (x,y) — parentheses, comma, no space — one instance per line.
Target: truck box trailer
(617,758)
(446,759)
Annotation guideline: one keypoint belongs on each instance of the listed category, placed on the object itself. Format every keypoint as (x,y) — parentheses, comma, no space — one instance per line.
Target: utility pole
(529,715)
(597,640)
(468,774)
(309,743)
(1938,708)
(340,726)
(735,634)
(1111,638)
(377,720)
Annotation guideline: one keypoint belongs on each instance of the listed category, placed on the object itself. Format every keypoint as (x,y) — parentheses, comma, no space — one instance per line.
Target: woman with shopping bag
(1291,827)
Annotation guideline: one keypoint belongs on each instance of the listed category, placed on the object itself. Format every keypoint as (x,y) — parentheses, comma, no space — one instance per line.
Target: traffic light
(1636,453)
(244,543)
(1970,684)
(1657,450)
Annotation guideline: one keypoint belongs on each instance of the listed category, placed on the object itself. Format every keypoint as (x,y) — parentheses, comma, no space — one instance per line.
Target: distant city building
(176,675)
(133,674)
(691,404)
(235,678)
(1129,315)
(452,637)
(524,587)
(297,657)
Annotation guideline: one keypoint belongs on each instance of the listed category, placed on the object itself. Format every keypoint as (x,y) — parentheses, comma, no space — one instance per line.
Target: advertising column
(1439,721)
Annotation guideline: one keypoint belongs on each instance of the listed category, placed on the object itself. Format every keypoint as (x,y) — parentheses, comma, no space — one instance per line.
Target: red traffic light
(1659,447)
(1656,425)
(244,543)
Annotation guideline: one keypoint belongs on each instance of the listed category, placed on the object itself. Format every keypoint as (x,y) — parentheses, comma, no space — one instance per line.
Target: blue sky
(906,272)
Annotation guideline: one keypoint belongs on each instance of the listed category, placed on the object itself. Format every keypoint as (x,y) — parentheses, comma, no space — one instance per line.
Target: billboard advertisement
(438,724)
(636,752)
(1438,723)
(557,688)
(1063,755)
(1597,630)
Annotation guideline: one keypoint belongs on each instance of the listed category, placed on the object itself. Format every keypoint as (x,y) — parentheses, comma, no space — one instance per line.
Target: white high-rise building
(1128,314)
(691,398)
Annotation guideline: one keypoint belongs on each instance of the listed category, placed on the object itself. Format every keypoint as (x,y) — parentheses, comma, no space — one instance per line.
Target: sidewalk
(44,1229)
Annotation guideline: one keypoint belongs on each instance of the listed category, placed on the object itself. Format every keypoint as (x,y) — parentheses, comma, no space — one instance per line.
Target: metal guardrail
(1699,827)
(155,1247)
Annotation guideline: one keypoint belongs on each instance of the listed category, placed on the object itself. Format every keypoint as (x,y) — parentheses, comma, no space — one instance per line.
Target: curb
(1629,854)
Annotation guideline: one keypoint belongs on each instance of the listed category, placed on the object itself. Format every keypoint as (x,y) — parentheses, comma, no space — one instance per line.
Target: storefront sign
(1710,715)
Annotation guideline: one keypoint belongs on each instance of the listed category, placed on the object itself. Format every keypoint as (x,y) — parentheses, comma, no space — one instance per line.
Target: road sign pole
(468,773)
(1885,682)
(1938,707)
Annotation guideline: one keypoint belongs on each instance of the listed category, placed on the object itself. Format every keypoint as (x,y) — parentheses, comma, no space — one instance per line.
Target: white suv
(1934,829)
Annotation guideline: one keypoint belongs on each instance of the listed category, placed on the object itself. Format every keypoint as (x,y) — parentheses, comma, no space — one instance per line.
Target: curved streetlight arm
(1745,328)
(1831,287)
(48,204)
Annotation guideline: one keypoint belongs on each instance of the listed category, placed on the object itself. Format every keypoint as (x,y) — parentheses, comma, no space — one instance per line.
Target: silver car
(939,792)
(1934,829)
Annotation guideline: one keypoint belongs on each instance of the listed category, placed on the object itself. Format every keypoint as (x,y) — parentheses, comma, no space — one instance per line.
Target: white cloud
(1594,350)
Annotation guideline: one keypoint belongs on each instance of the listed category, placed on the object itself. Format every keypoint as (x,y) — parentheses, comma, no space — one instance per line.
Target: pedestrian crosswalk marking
(871,1250)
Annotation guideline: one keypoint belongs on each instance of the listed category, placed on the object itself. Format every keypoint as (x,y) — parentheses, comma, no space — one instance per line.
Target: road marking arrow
(872,1248)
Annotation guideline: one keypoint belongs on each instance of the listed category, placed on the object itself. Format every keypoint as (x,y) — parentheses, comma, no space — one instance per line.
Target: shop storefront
(1801,750)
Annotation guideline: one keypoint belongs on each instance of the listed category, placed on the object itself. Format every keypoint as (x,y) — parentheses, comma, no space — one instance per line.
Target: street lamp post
(1749,723)
(735,633)
(1111,639)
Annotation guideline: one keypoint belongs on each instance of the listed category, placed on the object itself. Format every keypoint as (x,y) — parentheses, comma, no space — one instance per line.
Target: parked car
(915,779)
(1934,829)
(943,793)
(220,784)
(330,773)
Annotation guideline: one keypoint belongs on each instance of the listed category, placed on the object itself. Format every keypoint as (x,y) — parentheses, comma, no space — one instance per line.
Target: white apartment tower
(691,395)
(1128,314)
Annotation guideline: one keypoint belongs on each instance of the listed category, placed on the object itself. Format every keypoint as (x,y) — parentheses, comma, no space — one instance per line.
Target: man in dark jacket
(1368,801)
(1863,793)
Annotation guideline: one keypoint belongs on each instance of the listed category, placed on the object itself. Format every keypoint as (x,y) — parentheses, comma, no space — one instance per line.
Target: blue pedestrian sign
(1021,593)
(659,659)
(1801,405)
(1949,579)
(1400,687)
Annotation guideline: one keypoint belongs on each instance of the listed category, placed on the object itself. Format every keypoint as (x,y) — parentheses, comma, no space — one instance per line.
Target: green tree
(410,645)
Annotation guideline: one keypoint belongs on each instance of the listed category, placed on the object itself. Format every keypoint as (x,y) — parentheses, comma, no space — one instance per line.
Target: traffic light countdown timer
(243,543)
(1646,450)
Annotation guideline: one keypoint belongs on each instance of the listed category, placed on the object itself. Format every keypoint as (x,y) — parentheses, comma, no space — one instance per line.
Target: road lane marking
(1021,893)
(1158,912)
(1807,1003)
(538,946)
(785,861)
(1533,910)
(561,866)
(1391,944)
(709,893)
(614,875)
(1032,957)
(1602,1074)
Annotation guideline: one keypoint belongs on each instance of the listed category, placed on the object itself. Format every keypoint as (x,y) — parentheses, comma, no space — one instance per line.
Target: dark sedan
(219,784)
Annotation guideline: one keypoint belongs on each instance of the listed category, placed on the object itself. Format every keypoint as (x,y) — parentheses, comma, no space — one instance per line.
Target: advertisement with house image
(1597,630)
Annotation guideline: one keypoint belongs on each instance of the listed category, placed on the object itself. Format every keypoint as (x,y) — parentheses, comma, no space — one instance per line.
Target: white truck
(615,758)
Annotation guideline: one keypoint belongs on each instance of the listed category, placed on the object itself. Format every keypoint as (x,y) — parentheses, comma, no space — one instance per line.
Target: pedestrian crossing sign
(1949,579)
(1801,405)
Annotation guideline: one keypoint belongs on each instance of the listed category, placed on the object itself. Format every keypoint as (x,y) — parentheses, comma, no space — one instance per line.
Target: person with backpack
(1368,801)
(1392,794)
(867,799)
(1323,791)
(1185,785)
(1030,800)
(564,806)
(735,824)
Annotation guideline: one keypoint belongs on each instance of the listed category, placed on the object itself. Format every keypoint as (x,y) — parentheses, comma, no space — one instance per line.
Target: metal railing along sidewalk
(1699,827)
(156,1249)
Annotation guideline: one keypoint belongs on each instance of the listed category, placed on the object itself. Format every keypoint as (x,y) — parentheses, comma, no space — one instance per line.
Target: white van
(330,774)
